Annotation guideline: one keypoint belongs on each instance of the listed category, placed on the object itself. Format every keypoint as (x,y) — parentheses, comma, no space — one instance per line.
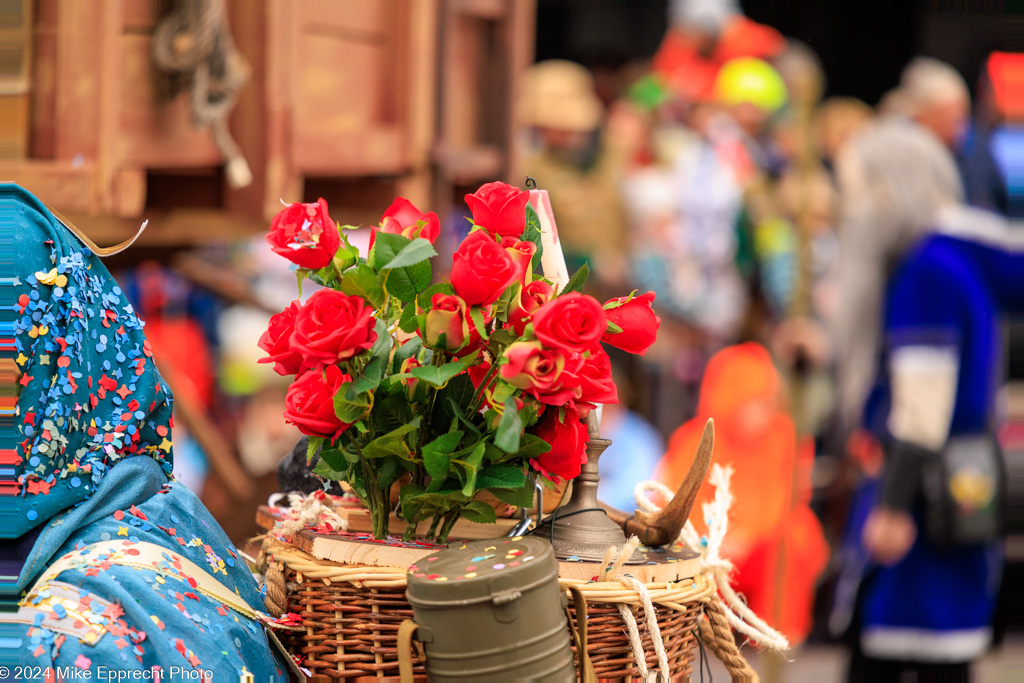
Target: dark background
(862,50)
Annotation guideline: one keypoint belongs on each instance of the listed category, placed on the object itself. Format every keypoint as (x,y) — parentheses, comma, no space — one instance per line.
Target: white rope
(315,510)
(635,641)
(651,616)
(716,517)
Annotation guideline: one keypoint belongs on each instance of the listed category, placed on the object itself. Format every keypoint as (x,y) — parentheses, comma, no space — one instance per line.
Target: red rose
(568,440)
(276,342)
(573,322)
(481,269)
(333,326)
(309,404)
(549,375)
(500,209)
(447,316)
(403,218)
(522,253)
(532,296)
(638,321)
(596,383)
(304,234)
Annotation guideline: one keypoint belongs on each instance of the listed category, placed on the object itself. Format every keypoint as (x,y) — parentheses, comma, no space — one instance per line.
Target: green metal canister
(492,610)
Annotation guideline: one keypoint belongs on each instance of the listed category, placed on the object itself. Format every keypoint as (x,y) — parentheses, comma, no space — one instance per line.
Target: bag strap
(405,633)
(587,674)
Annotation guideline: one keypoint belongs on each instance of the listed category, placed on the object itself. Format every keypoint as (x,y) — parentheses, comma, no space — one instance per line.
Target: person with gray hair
(924,282)
(935,95)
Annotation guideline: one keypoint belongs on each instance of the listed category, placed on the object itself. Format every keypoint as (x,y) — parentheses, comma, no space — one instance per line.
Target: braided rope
(276,599)
(717,634)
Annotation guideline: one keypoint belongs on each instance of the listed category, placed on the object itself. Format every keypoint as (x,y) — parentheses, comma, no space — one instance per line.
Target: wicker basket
(350,617)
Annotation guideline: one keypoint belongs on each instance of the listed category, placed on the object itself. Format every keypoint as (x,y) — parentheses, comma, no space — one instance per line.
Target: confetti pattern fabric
(88,399)
(88,392)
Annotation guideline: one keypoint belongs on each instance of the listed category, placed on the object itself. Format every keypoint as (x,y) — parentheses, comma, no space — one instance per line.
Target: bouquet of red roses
(452,388)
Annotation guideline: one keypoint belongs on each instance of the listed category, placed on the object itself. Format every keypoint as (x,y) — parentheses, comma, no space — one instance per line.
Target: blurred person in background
(924,280)
(703,35)
(569,158)
(774,539)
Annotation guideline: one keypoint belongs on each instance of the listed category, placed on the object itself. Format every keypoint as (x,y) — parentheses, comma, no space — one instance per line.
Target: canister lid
(479,571)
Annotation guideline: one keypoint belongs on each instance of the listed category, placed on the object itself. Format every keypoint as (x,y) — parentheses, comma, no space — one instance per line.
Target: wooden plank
(248,121)
(282,181)
(417,79)
(44,89)
(65,185)
(369,151)
(79,70)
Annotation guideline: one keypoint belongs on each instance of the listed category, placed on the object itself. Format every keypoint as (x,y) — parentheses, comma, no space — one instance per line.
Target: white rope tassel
(716,516)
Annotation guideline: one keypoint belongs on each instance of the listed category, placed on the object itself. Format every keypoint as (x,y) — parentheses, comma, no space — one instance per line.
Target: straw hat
(559,94)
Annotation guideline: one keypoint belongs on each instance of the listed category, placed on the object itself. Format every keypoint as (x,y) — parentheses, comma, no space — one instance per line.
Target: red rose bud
(403,218)
(638,321)
(500,209)
(568,440)
(522,253)
(305,235)
(408,365)
(481,269)
(596,383)
(531,297)
(276,341)
(572,322)
(309,404)
(548,375)
(447,316)
(331,327)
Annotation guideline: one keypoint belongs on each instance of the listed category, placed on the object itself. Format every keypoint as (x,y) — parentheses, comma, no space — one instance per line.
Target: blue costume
(108,564)
(947,295)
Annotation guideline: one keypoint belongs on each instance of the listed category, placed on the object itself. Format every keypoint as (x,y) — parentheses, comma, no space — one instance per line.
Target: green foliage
(410,273)
(439,375)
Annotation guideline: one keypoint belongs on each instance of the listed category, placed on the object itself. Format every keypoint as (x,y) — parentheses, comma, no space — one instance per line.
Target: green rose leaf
(532,234)
(351,409)
(578,279)
(520,497)
(438,376)
(503,476)
(417,251)
(392,443)
(323,469)
(510,428)
(437,454)
(402,281)
(315,442)
(361,281)
(479,512)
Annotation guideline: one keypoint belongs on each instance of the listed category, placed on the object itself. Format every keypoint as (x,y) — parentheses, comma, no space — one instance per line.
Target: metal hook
(531,183)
